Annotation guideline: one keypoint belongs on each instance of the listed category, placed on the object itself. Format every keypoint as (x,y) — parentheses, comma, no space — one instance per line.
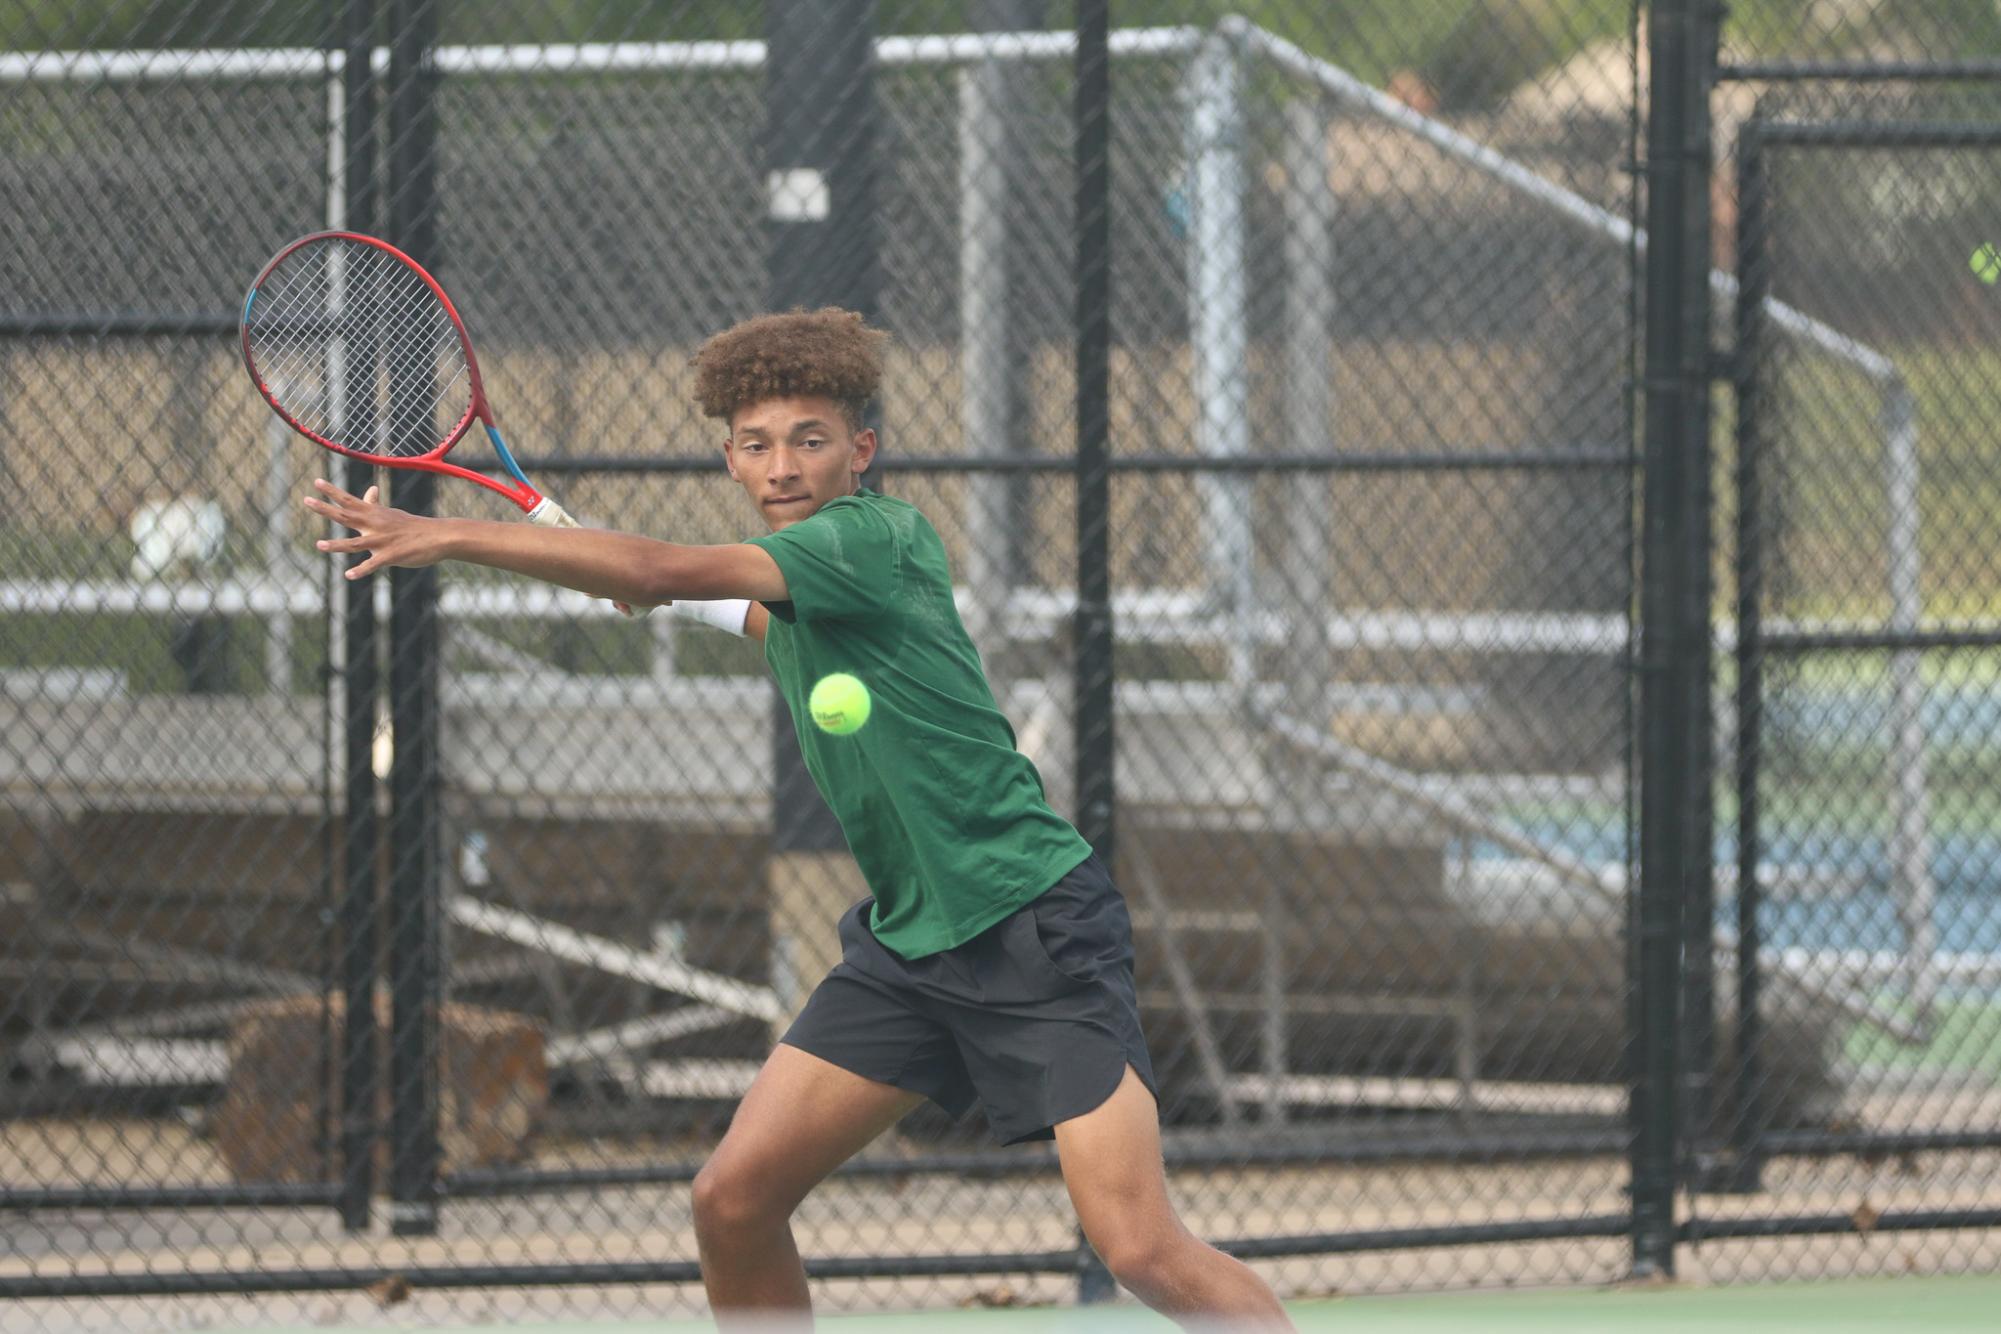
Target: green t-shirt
(947,819)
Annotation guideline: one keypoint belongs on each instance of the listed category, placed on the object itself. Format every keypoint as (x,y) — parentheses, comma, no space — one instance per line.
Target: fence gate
(1864,675)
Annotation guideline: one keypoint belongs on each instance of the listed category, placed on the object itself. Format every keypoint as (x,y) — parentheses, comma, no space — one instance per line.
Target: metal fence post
(820,223)
(1096,793)
(993,321)
(1753,284)
(415,944)
(354,205)
(1219,329)
(1674,618)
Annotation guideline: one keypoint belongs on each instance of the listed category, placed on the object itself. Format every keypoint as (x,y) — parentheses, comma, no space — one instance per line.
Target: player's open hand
(388,536)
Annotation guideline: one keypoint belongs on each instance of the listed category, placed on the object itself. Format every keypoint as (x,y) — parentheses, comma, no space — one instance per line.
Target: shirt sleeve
(843,561)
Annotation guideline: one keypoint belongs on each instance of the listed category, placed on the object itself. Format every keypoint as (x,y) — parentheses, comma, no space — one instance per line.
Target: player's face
(793,455)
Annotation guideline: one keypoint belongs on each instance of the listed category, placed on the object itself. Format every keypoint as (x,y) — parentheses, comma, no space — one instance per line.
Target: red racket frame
(432,460)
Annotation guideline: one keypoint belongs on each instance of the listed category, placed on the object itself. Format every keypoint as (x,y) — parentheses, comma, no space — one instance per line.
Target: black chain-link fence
(1370,742)
(1856,206)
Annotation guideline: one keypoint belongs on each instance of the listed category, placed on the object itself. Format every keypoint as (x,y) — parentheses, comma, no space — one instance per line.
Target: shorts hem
(901,1081)
(1141,1066)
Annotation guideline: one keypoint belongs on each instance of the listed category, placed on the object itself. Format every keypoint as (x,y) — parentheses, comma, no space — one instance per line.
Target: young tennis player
(993,963)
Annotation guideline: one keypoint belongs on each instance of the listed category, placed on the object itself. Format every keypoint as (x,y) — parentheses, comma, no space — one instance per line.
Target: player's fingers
(334,513)
(363,568)
(330,508)
(373,495)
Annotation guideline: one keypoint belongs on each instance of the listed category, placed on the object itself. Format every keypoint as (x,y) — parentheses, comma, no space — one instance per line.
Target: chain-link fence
(1358,728)
(1855,156)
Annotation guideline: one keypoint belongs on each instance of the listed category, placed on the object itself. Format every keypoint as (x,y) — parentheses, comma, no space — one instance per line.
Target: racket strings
(356,347)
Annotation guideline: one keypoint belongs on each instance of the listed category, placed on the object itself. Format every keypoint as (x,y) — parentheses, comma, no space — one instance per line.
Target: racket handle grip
(548,512)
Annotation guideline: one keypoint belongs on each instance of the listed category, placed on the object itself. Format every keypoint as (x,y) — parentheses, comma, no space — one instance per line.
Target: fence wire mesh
(1862,845)
(1371,557)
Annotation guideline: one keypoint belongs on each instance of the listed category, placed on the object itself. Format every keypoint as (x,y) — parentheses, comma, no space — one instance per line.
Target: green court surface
(1933,1305)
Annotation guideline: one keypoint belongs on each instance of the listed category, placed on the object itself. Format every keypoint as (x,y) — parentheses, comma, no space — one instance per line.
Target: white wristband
(726,614)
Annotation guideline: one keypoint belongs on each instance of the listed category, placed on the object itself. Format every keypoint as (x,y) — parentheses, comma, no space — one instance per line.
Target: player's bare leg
(802,1118)
(1112,1165)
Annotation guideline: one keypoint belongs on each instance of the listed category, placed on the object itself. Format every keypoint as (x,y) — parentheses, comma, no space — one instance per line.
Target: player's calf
(1179,1275)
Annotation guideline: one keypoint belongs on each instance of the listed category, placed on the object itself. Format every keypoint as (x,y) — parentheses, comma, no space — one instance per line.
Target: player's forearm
(623,567)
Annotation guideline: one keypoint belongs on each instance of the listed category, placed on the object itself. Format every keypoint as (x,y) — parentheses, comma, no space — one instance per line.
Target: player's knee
(726,1200)
(1142,1259)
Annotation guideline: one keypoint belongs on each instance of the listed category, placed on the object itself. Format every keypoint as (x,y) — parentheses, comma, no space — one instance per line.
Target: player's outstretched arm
(622,567)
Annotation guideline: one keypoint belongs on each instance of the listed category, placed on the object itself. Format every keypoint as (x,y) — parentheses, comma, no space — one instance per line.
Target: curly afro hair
(828,352)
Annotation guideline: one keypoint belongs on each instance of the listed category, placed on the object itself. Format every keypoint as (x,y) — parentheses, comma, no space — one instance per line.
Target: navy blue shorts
(1035,1019)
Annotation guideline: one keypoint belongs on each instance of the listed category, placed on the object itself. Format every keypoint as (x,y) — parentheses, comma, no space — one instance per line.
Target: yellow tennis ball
(839,704)
(1986,264)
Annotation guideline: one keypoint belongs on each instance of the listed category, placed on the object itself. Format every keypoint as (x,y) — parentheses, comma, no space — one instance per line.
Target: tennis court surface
(1941,1305)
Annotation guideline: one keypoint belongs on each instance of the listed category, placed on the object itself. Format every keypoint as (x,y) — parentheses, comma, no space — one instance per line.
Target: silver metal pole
(1310,406)
(1218,325)
(169,65)
(1306,660)
(1910,805)
(983,341)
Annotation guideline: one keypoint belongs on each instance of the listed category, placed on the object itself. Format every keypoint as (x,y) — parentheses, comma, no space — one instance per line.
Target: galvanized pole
(993,324)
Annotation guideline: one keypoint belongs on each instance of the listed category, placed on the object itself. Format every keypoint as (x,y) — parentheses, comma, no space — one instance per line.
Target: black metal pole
(1753,283)
(1094,342)
(415,944)
(820,151)
(822,230)
(361,683)
(1095,793)
(1674,630)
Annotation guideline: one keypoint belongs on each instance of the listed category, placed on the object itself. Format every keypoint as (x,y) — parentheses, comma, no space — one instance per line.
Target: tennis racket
(358,349)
